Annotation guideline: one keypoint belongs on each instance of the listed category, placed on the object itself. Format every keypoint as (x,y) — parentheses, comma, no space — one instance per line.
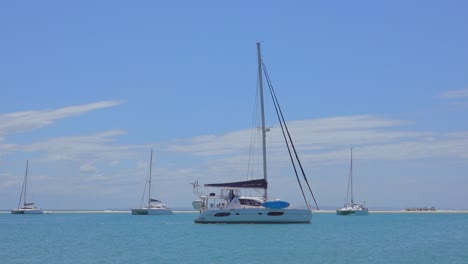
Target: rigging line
(22,186)
(269,143)
(289,151)
(252,139)
(275,103)
(289,136)
(295,153)
(21,196)
(144,190)
(149,182)
(26,184)
(255,170)
(349,185)
(347,189)
(30,188)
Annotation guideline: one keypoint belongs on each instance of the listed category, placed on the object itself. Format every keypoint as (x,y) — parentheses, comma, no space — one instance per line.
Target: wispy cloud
(97,147)
(30,120)
(328,140)
(315,134)
(88,168)
(18,122)
(455,94)
(100,164)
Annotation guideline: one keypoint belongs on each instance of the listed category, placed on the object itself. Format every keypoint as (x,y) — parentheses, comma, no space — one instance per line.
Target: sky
(87,88)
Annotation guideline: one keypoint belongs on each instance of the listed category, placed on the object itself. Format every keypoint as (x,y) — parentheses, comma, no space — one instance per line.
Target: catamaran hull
(255,216)
(26,211)
(352,212)
(151,212)
(344,212)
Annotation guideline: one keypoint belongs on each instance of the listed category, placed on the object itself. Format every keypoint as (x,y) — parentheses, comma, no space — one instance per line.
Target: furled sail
(256,184)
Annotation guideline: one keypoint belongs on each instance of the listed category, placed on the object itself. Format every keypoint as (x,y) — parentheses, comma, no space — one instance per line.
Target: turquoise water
(123,238)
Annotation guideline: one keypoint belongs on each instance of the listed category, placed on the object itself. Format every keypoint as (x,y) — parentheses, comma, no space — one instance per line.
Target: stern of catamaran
(213,200)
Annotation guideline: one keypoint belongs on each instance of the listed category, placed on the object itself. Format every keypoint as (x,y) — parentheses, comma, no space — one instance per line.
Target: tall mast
(352,202)
(23,187)
(25,181)
(262,110)
(149,183)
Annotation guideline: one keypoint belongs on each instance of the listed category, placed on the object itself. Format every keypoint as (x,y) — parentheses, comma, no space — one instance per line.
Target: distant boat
(27,208)
(227,204)
(351,208)
(154,206)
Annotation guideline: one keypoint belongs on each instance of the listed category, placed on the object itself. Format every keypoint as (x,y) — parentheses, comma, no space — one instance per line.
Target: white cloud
(455,94)
(99,164)
(114,163)
(328,139)
(30,120)
(88,168)
(97,147)
(13,123)
(323,147)
(307,133)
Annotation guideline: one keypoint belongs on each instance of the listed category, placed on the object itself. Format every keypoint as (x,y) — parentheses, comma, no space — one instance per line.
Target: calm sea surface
(123,238)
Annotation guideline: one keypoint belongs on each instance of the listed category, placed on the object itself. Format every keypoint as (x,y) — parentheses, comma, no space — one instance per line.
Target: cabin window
(222,214)
(249,202)
(275,213)
(212,194)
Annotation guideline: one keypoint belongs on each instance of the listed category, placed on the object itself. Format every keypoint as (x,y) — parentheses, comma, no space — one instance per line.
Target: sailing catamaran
(350,208)
(154,206)
(229,205)
(27,208)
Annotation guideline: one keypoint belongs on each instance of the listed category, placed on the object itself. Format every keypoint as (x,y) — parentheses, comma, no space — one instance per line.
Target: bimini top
(256,184)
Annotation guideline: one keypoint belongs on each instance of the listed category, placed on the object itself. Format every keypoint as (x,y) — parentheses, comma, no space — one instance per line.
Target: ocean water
(123,238)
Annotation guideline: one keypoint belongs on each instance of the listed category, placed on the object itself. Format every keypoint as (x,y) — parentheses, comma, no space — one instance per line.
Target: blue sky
(87,88)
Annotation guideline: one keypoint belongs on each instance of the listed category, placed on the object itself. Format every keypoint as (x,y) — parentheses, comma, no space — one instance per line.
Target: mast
(149,183)
(351,169)
(262,110)
(23,187)
(25,182)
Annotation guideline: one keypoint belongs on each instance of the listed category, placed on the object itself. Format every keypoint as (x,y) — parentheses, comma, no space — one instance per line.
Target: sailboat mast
(149,182)
(262,111)
(352,201)
(25,181)
(23,187)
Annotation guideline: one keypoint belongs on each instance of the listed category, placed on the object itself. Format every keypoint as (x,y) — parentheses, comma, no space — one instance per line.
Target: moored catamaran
(351,208)
(154,206)
(27,208)
(226,202)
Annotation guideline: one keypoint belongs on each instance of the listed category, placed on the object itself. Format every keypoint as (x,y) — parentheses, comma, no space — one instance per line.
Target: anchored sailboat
(229,205)
(27,208)
(154,206)
(351,208)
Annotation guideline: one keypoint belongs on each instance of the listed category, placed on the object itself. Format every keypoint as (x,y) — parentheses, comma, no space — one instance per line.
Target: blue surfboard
(275,204)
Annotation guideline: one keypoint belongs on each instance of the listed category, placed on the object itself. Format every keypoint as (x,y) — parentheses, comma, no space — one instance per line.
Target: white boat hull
(351,212)
(27,211)
(152,211)
(255,216)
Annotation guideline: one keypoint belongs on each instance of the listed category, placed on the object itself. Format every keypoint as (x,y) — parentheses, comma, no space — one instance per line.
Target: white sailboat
(154,206)
(27,208)
(225,202)
(351,208)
